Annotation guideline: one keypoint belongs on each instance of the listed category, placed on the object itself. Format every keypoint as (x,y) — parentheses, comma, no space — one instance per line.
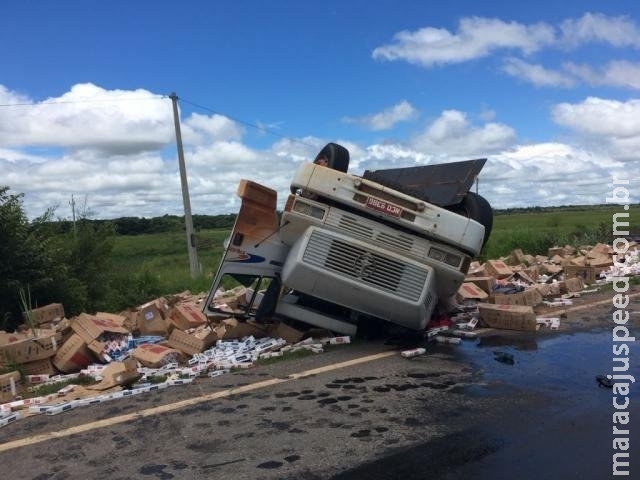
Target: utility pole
(73,213)
(194,266)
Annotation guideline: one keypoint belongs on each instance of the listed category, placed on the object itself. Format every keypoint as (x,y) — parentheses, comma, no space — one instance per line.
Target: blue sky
(547,91)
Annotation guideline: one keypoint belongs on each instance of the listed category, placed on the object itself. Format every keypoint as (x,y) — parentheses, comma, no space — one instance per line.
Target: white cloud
(620,73)
(202,129)
(599,28)
(476,37)
(606,125)
(601,117)
(547,174)
(386,119)
(537,74)
(88,116)
(452,134)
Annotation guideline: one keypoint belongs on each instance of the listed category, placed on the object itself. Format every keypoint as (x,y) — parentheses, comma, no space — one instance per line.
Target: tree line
(142,225)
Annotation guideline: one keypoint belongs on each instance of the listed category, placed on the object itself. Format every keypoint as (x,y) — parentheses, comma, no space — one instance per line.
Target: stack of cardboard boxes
(563,271)
(164,330)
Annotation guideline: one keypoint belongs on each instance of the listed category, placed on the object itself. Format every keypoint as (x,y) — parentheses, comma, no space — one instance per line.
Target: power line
(244,122)
(160,97)
(87,100)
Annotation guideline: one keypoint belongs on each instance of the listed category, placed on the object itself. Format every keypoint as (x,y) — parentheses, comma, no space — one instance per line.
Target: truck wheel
(337,155)
(477,208)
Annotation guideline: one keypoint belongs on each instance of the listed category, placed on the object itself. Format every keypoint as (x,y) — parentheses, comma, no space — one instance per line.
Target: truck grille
(361,228)
(353,261)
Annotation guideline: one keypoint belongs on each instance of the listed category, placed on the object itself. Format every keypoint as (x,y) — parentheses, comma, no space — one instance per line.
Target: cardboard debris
(470,291)
(195,340)
(187,315)
(550,268)
(522,276)
(282,330)
(24,347)
(509,317)
(74,355)
(485,283)
(553,251)
(149,320)
(155,356)
(516,257)
(47,314)
(571,285)
(38,367)
(530,297)
(118,373)
(9,386)
(232,299)
(91,328)
(497,269)
(600,250)
(232,328)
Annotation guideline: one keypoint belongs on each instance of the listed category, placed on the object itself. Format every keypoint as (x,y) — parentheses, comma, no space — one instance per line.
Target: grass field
(162,259)
(535,232)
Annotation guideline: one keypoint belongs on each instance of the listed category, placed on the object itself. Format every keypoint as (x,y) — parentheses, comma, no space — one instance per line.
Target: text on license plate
(384,207)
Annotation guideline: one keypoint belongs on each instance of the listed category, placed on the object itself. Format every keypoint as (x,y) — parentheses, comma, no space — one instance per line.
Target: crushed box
(588,274)
(187,315)
(193,341)
(24,347)
(46,314)
(155,356)
(286,332)
(571,285)
(509,317)
(529,297)
(91,327)
(485,283)
(74,355)
(497,269)
(231,328)
(118,373)
(470,291)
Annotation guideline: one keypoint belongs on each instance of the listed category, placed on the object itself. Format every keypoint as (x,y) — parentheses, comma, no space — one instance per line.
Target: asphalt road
(455,413)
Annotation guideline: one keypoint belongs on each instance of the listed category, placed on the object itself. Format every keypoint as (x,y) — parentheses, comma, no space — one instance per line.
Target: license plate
(384,207)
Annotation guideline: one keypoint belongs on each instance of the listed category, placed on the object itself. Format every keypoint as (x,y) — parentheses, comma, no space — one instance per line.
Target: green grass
(285,356)
(162,259)
(535,232)
(49,388)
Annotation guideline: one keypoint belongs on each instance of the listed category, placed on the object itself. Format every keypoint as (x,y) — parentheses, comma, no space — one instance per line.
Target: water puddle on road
(548,361)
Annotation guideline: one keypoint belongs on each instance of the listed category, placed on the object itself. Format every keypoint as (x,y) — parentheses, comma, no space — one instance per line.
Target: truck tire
(476,208)
(337,155)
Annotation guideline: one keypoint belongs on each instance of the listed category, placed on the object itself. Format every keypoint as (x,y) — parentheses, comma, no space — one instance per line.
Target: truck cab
(345,248)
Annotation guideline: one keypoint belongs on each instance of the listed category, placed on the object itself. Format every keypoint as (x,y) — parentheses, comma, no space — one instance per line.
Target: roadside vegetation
(535,230)
(98,265)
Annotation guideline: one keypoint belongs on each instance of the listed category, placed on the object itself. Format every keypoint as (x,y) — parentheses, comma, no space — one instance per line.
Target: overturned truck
(351,249)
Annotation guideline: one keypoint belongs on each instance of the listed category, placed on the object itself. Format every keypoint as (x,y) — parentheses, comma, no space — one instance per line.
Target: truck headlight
(308,209)
(445,257)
